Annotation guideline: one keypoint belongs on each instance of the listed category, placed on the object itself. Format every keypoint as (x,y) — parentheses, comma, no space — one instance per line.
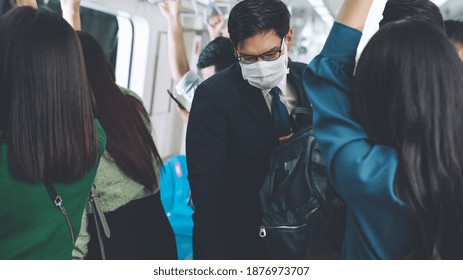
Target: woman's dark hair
(219,53)
(46,105)
(123,117)
(408,93)
(400,10)
(249,18)
(454,29)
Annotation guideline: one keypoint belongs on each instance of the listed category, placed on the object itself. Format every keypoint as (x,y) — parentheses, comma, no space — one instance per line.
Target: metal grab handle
(211,6)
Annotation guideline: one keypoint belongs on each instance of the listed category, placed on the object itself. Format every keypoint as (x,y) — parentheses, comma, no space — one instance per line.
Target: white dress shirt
(288,95)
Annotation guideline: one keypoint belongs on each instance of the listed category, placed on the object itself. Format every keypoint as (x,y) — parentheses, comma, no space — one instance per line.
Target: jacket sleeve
(355,167)
(188,85)
(206,147)
(81,246)
(101,138)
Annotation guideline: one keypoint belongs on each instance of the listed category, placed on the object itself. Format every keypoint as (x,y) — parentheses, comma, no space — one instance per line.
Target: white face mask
(265,74)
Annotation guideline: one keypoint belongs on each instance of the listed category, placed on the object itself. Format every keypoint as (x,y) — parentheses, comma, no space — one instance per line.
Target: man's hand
(184,114)
(215,26)
(32,3)
(284,138)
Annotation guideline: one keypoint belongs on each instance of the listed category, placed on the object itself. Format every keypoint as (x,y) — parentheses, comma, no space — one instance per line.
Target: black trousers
(140,230)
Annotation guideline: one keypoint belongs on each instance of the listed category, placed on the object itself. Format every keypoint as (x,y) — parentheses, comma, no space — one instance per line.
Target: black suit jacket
(229,142)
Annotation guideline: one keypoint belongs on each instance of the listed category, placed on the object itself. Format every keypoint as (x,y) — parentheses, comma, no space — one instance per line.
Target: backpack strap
(300,117)
(301,111)
(100,220)
(58,202)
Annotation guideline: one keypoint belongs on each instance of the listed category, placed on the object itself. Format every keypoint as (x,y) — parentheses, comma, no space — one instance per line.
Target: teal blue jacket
(379,225)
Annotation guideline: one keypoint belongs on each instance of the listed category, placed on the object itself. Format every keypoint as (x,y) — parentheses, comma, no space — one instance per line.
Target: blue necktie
(280,114)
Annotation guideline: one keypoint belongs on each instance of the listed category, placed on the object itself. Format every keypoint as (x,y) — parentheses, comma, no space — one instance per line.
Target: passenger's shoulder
(297,66)
(224,80)
(222,84)
(129,92)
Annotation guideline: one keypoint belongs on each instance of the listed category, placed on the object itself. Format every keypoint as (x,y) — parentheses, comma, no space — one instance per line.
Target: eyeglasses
(268,56)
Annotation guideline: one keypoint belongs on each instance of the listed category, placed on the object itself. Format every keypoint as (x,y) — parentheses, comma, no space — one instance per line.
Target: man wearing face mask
(238,116)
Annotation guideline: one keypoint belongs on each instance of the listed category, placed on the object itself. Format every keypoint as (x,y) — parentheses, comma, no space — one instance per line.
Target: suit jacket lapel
(256,103)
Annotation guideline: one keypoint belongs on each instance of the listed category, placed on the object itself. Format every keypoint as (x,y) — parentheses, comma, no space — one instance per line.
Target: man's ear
(460,51)
(289,39)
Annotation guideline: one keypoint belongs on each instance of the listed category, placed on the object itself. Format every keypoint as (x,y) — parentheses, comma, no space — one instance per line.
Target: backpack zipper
(263,229)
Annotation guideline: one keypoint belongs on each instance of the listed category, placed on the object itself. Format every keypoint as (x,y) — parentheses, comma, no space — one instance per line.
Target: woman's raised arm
(71,13)
(354,13)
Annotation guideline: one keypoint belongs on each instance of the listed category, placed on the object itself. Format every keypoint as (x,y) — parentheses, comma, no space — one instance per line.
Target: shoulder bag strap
(58,201)
(100,220)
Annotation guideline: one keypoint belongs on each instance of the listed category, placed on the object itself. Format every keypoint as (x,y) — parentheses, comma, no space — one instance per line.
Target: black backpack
(304,217)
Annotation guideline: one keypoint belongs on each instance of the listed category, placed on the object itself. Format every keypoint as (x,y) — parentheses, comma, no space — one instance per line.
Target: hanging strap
(100,220)
(58,201)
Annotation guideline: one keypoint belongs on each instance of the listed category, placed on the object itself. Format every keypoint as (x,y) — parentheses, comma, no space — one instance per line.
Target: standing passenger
(48,135)
(231,131)
(394,154)
(423,10)
(216,56)
(127,180)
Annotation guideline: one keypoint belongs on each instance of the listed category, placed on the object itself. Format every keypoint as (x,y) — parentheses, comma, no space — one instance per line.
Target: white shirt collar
(281,86)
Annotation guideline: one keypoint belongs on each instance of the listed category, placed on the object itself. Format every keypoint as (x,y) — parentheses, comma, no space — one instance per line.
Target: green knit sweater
(31,227)
(114,189)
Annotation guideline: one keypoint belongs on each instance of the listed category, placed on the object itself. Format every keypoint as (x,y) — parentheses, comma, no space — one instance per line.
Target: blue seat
(175,195)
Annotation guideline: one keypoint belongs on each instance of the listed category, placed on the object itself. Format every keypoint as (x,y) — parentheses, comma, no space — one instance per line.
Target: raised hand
(71,12)
(184,114)
(70,5)
(170,9)
(32,3)
(215,26)
(176,52)
(354,13)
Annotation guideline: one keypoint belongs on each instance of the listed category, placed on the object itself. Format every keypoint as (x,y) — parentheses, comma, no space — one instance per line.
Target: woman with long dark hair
(127,180)
(394,155)
(49,140)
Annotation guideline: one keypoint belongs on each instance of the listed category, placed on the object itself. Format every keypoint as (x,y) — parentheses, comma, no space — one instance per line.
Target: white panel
(162,82)
(168,126)
(124,51)
(372,25)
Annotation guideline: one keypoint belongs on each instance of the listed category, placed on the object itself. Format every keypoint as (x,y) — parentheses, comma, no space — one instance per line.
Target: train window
(103,26)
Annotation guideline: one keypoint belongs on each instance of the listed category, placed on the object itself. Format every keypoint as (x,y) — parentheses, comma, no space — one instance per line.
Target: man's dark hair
(252,17)
(423,10)
(218,53)
(454,29)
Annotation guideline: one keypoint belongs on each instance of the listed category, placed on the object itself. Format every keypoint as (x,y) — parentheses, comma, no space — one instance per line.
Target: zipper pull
(262,232)
(59,203)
